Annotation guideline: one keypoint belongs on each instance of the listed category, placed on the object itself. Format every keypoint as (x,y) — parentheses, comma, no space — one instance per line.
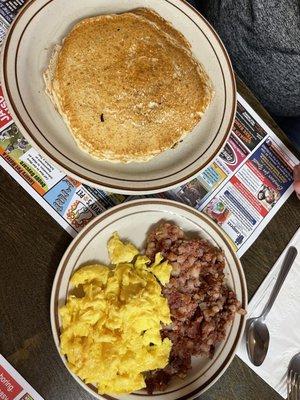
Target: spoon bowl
(257,339)
(257,334)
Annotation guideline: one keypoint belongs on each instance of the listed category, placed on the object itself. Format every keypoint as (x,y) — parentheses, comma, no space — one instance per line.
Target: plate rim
(113,185)
(100,219)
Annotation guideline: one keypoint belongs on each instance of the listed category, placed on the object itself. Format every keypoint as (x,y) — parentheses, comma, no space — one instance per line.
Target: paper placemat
(13,386)
(241,189)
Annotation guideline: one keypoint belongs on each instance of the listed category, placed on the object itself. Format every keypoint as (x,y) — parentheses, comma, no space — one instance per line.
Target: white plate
(133,220)
(26,52)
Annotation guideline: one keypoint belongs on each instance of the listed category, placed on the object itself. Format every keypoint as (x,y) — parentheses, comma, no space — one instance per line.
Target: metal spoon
(293,378)
(257,334)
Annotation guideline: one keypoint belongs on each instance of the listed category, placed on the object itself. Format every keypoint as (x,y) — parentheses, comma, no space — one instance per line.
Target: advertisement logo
(228,155)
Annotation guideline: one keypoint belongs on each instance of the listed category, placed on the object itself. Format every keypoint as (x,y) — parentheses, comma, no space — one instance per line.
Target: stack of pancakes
(127,85)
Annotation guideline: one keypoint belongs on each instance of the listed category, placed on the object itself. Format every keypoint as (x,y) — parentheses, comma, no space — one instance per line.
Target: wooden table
(31,246)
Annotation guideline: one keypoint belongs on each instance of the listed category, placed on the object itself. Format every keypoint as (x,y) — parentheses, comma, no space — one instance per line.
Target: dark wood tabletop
(31,246)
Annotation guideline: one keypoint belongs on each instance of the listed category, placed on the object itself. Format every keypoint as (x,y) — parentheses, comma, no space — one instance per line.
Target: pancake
(164,25)
(127,86)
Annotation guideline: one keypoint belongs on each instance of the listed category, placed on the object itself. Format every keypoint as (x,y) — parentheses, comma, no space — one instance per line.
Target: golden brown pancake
(127,85)
(164,25)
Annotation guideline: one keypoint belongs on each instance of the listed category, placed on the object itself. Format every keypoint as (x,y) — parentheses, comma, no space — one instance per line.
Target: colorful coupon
(234,153)
(5,117)
(13,386)
(9,9)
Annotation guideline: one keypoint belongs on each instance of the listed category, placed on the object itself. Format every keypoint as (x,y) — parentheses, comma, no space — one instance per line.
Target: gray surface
(263,40)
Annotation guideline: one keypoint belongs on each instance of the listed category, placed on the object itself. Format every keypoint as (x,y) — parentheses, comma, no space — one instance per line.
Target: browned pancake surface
(127,89)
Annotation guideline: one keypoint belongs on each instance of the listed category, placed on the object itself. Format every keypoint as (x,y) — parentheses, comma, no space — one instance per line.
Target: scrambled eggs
(111,335)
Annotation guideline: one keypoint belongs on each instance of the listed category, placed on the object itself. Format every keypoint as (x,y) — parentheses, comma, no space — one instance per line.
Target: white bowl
(26,52)
(132,221)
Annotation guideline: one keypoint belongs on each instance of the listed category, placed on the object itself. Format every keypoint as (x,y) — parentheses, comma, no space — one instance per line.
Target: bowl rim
(124,188)
(101,218)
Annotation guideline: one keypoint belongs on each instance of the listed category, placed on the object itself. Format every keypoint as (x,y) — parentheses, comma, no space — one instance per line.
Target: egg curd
(111,332)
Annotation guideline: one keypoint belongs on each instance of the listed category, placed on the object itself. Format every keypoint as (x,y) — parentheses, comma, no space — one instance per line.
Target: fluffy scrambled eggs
(111,335)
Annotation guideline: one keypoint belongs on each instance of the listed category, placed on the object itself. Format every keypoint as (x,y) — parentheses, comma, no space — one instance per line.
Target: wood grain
(31,245)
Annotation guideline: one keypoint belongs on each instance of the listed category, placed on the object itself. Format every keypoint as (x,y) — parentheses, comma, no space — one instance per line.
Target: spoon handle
(286,266)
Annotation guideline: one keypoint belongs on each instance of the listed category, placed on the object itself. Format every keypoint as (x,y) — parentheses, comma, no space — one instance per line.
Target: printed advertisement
(13,386)
(9,9)
(241,189)
(246,184)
